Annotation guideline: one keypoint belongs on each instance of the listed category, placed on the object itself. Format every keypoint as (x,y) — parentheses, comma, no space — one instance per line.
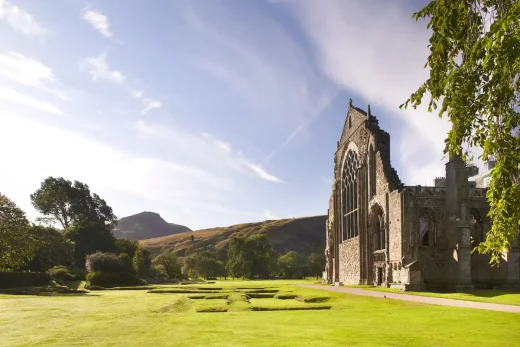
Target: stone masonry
(381,232)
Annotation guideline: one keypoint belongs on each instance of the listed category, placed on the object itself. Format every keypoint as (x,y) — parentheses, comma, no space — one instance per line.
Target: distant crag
(146,225)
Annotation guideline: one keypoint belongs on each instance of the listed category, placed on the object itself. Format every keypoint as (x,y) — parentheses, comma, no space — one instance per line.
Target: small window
(349,122)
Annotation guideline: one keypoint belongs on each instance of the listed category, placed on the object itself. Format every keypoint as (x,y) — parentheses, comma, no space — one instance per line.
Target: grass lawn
(138,318)
(491,296)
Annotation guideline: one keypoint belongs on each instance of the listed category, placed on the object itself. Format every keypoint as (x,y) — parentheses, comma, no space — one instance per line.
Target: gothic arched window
(349,195)
(372,168)
(427,232)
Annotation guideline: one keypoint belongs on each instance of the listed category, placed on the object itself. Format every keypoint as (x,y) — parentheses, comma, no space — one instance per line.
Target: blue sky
(210,113)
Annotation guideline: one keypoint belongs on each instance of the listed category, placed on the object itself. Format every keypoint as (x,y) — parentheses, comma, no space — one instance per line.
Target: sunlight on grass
(491,296)
(136,318)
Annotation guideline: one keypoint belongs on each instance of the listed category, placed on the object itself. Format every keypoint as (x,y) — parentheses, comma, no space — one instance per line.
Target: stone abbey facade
(381,232)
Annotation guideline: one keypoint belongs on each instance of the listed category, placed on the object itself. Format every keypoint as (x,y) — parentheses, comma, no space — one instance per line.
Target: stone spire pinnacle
(368,112)
(350,102)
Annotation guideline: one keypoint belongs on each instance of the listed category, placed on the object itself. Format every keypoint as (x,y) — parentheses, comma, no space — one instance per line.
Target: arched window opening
(382,236)
(377,227)
(477,234)
(427,231)
(372,174)
(350,196)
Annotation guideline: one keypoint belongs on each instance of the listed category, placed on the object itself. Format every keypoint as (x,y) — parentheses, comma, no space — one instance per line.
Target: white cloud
(12,95)
(150,104)
(18,68)
(138,94)
(269,215)
(382,60)
(204,149)
(99,69)
(43,150)
(20,20)
(260,172)
(98,21)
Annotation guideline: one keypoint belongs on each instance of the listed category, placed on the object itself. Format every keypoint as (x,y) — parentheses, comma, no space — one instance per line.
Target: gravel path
(416,298)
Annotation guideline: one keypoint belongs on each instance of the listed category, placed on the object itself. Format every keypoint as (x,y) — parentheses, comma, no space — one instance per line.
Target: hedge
(112,279)
(23,279)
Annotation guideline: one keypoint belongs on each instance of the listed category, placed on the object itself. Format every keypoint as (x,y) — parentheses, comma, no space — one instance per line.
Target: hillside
(146,225)
(303,235)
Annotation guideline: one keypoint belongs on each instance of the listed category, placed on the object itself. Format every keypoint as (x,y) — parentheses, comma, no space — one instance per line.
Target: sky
(210,113)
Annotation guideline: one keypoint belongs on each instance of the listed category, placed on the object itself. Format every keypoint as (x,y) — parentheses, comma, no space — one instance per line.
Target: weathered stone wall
(349,261)
(395,230)
(399,273)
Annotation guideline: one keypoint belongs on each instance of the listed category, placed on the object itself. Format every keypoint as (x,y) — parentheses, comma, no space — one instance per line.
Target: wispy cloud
(20,20)
(98,21)
(150,104)
(148,178)
(206,150)
(273,75)
(368,59)
(260,172)
(99,69)
(304,124)
(138,94)
(11,95)
(221,73)
(18,68)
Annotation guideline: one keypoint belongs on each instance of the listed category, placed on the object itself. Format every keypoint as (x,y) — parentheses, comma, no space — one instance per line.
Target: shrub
(78,273)
(105,262)
(157,272)
(138,262)
(127,261)
(61,274)
(23,279)
(112,279)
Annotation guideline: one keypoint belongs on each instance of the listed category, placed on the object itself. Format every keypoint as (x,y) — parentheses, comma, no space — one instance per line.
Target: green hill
(303,235)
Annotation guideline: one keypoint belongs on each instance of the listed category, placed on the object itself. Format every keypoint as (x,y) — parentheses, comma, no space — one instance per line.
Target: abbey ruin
(381,232)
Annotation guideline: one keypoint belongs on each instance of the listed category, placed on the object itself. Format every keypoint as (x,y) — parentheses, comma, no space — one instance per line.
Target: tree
(236,263)
(170,264)
(90,237)
(249,256)
(138,262)
(61,201)
(475,70)
(105,262)
(17,246)
(126,246)
(291,265)
(316,264)
(53,249)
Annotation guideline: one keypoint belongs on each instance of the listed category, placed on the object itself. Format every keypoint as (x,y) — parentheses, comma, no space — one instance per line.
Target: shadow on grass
(53,289)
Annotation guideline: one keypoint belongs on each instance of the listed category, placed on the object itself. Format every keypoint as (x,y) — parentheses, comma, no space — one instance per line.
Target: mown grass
(136,318)
(491,296)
